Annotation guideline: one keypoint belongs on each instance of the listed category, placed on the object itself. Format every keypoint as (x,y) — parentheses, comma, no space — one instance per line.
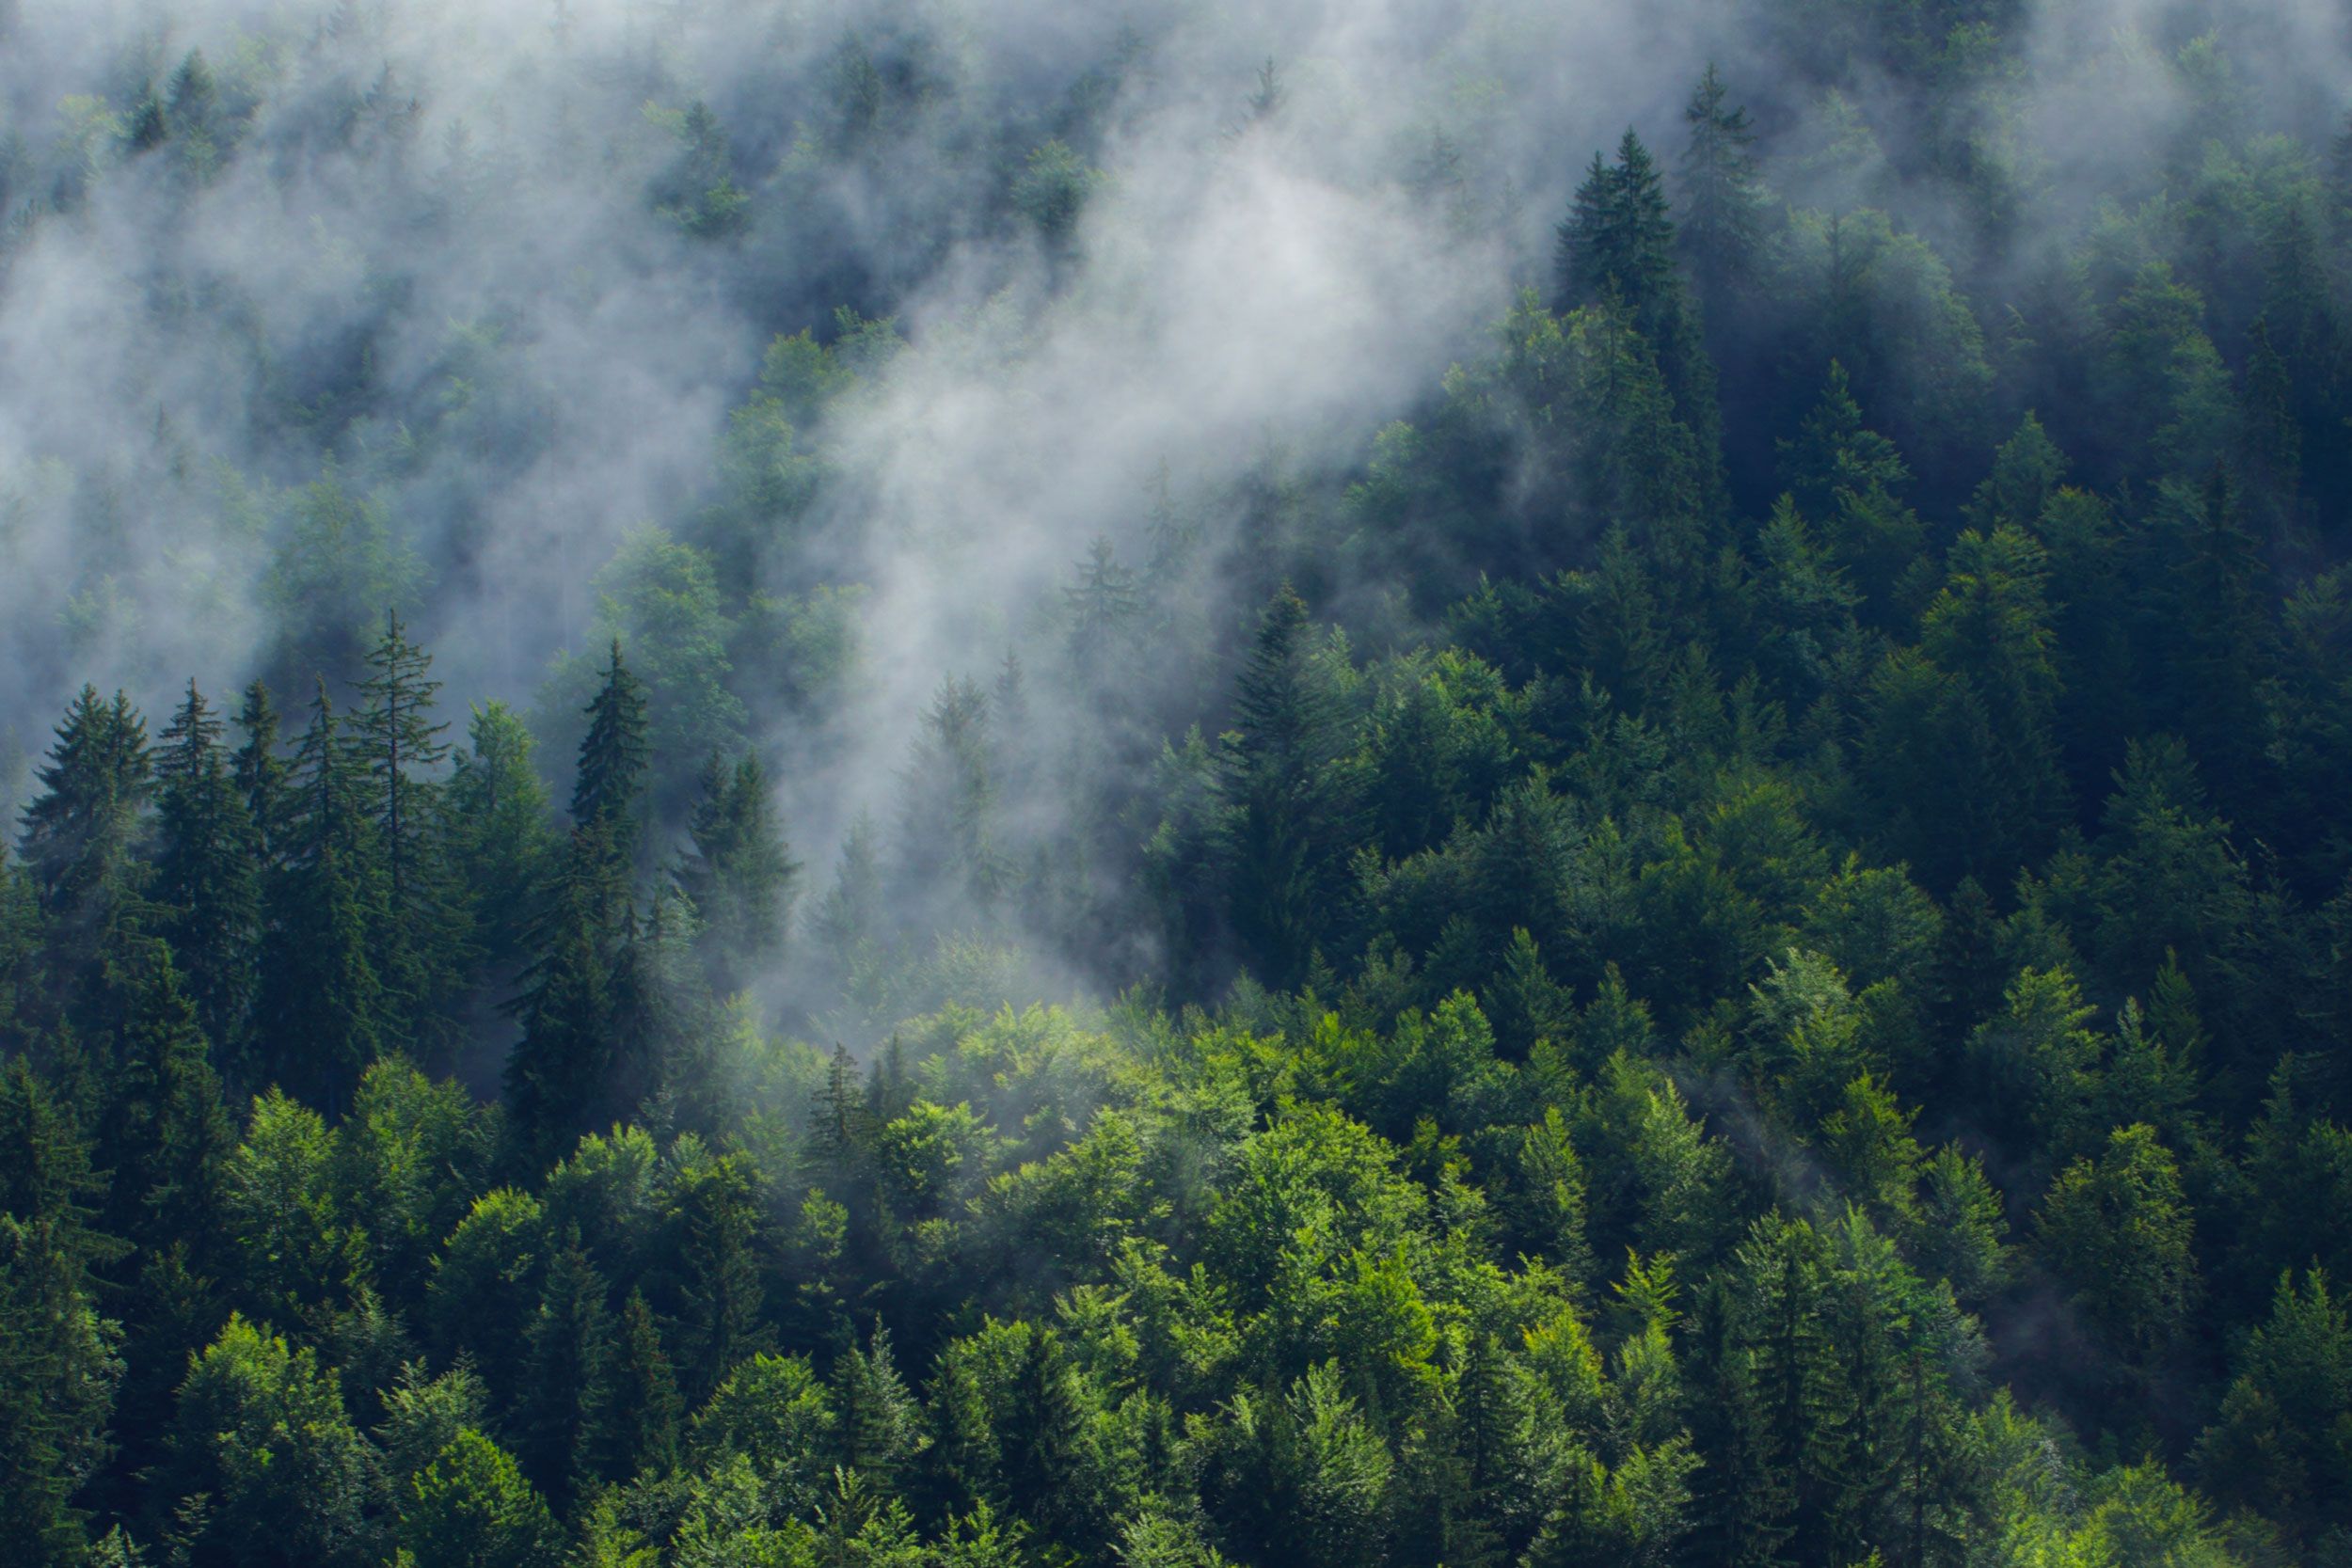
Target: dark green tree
(1720,199)
(81,832)
(1290,793)
(609,791)
(740,874)
(208,877)
(571,1436)
(324,1015)
(394,739)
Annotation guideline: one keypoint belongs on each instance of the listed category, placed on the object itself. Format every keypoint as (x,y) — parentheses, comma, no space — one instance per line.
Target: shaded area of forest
(1728,942)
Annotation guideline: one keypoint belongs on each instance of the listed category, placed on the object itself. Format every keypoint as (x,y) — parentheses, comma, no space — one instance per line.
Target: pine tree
(614,760)
(80,833)
(1290,796)
(740,874)
(149,127)
(841,1131)
(394,732)
(426,947)
(879,1424)
(1103,609)
(646,1406)
(1720,201)
(1617,246)
(163,1131)
(2027,472)
(571,1438)
(848,922)
(717,1213)
(503,848)
(57,1374)
(193,111)
(260,772)
(47,1178)
(208,877)
(1524,1003)
(2219,633)
(950,838)
(558,1076)
(1039,1439)
(325,1013)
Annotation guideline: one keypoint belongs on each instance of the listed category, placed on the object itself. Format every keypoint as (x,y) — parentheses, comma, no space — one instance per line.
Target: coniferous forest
(923,784)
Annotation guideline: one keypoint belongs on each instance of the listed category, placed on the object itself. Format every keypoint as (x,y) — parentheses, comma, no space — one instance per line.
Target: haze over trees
(879,785)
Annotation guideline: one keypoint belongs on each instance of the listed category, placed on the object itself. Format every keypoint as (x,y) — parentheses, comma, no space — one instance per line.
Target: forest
(1441,784)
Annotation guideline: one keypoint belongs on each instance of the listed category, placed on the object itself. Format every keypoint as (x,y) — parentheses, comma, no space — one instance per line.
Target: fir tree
(572,1438)
(738,875)
(609,788)
(1720,199)
(81,832)
(559,1076)
(879,1425)
(1618,245)
(647,1407)
(324,1015)
(427,944)
(260,771)
(208,876)
(1290,796)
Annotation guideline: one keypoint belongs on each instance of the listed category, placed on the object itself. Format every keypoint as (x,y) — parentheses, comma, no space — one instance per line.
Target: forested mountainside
(881,783)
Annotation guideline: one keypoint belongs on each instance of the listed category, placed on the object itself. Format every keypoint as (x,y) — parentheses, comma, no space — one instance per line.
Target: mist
(425,264)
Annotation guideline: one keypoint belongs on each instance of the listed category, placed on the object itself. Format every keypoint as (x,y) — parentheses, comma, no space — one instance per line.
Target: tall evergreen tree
(1720,198)
(427,942)
(572,1440)
(1290,796)
(260,771)
(324,1013)
(1618,245)
(609,790)
(503,848)
(208,878)
(81,832)
(558,1076)
(740,874)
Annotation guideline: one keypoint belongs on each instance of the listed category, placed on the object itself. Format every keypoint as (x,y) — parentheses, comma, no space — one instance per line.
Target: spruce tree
(558,1074)
(1617,246)
(81,831)
(427,947)
(2213,613)
(740,873)
(878,1425)
(324,1013)
(1720,199)
(2269,440)
(163,1131)
(717,1212)
(503,848)
(208,878)
(1290,796)
(646,1408)
(614,760)
(571,1440)
(57,1375)
(259,770)
(1040,1438)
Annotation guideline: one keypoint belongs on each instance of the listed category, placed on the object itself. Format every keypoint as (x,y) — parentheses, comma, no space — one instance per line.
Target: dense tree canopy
(1731,945)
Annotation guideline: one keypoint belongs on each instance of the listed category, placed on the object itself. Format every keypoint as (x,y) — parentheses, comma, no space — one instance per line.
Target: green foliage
(1745,964)
(470,1508)
(261,1437)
